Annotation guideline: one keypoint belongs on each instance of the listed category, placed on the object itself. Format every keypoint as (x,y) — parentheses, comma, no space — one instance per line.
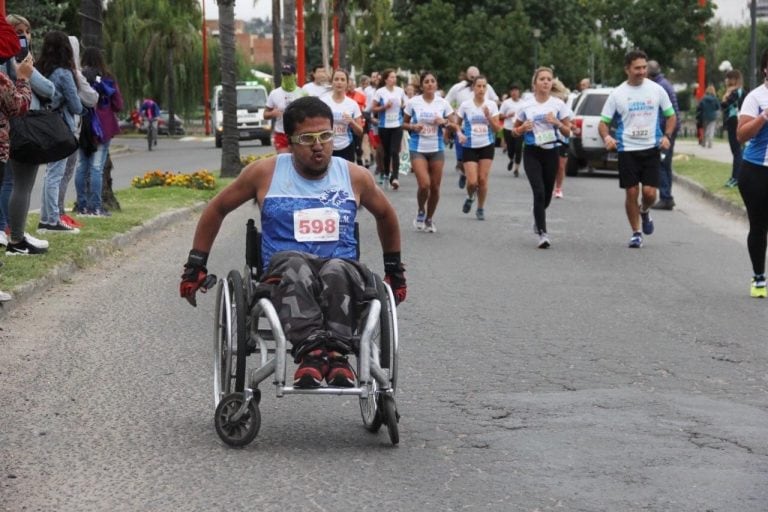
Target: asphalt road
(587,377)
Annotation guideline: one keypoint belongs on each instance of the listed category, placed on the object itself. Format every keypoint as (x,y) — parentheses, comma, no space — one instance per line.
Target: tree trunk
(289,31)
(171,94)
(108,199)
(230,147)
(324,31)
(91,23)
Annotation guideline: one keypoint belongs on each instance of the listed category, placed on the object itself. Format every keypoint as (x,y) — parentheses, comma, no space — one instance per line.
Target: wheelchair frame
(247,323)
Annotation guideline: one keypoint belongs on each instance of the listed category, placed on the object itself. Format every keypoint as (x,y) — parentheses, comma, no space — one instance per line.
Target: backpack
(89,137)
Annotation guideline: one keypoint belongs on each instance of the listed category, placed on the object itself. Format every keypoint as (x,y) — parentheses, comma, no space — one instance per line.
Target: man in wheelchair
(308,202)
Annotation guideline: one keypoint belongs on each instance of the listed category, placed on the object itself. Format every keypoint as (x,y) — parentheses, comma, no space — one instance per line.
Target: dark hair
(304,108)
(480,76)
(764,63)
(56,53)
(340,70)
(94,58)
(423,76)
(386,73)
(633,55)
(513,86)
(316,67)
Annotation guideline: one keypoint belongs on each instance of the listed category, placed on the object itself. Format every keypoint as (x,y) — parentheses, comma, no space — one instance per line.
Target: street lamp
(536,36)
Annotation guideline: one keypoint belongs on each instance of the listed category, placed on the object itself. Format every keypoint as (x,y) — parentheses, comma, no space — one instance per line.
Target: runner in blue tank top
(308,201)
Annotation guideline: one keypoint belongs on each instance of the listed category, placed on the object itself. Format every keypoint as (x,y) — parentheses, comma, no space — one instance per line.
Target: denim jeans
(88,177)
(665,171)
(6,187)
(49,204)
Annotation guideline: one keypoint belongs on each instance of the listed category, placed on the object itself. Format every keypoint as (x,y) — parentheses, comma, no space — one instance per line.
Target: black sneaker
(23,248)
(340,374)
(56,228)
(312,370)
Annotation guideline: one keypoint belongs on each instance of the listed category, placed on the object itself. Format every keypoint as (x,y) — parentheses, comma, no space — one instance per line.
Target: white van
(251,103)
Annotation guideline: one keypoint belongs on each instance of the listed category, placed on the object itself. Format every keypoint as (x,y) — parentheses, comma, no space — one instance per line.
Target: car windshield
(592,104)
(249,98)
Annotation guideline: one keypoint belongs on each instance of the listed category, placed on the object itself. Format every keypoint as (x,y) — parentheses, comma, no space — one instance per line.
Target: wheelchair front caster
(237,425)
(389,415)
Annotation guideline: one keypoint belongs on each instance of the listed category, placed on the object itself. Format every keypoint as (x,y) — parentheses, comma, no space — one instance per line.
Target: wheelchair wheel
(241,431)
(369,409)
(390,417)
(230,339)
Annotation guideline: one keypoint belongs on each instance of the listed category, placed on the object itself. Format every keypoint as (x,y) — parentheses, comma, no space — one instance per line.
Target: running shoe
(636,241)
(36,242)
(312,370)
(56,228)
(381,179)
(429,226)
(69,221)
(79,210)
(510,164)
(558,193)
(462,180)
(480,214)
(544,242)
(340,373)
(5,297)
(758,287)
(3,238)
(418,222)
(467,205)
(516,172)
(23,248)
(647,223)
(395,184)
(98,212)
(731,183)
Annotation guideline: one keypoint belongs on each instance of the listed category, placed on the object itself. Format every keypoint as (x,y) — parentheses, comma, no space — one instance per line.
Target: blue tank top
(313,216)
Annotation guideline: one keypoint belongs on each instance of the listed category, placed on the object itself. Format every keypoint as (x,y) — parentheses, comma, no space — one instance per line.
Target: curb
(63,272)
(723,204)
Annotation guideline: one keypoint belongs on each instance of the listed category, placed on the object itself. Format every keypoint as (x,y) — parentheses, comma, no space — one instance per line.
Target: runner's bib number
(545,137)
(429,130)
(340,128)
(479,130)
(640,132)
(392,119)
(316,225)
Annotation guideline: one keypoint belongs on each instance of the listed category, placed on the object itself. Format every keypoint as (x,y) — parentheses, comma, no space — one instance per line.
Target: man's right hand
(194,277)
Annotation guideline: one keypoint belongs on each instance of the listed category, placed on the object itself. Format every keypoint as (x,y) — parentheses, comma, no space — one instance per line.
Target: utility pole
(753,45)
(91,24)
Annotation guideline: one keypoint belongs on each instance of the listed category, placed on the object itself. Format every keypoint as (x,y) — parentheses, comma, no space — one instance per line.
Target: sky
(731,12)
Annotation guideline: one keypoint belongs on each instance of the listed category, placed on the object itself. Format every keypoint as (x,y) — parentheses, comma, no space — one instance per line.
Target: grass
(137,207)
(709,174)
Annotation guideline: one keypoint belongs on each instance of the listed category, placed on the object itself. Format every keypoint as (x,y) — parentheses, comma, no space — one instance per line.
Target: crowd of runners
(392,129)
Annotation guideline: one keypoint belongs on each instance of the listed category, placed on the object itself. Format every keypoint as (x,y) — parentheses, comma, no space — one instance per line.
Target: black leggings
(730,125)
(753,186)
(514,146)
(391,139)
(541,169)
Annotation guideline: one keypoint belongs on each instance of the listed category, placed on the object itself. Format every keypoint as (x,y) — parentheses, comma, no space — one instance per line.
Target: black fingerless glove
(394,275)
(194,275)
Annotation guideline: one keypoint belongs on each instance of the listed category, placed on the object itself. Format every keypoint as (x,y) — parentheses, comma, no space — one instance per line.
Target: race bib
(340,128)
(316,225)
(479,130)
(429,130)
(391,119)
(545,137)
(639,132)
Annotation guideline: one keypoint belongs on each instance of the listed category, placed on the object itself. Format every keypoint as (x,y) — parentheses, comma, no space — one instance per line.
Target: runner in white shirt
(347,118)
(458,94)
(319,86)
(541,121)
(426,117)
(508,114)
(480,122)
(560,91)
(388,103)
(635,106)
(753,179)
(278,101)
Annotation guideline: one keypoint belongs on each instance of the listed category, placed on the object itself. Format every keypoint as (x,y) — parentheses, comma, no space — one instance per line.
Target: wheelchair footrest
(290,390)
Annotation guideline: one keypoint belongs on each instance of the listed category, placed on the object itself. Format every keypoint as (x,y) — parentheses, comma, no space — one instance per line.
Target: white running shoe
(36,242)
(429,226)
(544,241)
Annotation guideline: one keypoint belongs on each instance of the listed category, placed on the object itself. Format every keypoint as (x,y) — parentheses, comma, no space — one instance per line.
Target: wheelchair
(247,324)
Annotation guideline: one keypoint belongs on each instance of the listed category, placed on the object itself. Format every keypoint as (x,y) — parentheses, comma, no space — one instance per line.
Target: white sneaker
(5,297)
(36,242)
(3,238)
(544,241)
(429,227)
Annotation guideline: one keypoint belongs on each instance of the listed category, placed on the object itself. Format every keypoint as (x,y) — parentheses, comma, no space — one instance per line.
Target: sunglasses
(312,138)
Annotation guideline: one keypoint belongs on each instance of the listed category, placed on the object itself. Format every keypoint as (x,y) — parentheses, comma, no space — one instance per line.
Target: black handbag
(41,136)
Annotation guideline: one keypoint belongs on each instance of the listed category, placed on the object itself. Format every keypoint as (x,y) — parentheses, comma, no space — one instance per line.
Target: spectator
(58,64)
(732,100)
(710,106)
(666,200)
(88,178)
(89,97)
(24,174)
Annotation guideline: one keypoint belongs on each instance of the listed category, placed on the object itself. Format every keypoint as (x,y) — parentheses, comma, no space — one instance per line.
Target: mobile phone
(24,49)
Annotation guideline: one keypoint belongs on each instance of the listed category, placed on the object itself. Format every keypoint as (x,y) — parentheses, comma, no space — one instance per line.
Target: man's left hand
(394,276)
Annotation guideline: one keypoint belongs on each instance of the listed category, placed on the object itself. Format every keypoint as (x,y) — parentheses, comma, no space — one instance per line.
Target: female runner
(347,117)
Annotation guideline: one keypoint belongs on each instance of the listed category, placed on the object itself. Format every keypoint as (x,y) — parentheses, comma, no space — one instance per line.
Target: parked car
(586,148)
(162,124)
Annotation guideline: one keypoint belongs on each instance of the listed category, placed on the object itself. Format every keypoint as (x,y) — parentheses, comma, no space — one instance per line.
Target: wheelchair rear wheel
(230,337)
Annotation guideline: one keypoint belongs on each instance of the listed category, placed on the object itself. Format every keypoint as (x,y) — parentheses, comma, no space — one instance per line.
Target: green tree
(44,15)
